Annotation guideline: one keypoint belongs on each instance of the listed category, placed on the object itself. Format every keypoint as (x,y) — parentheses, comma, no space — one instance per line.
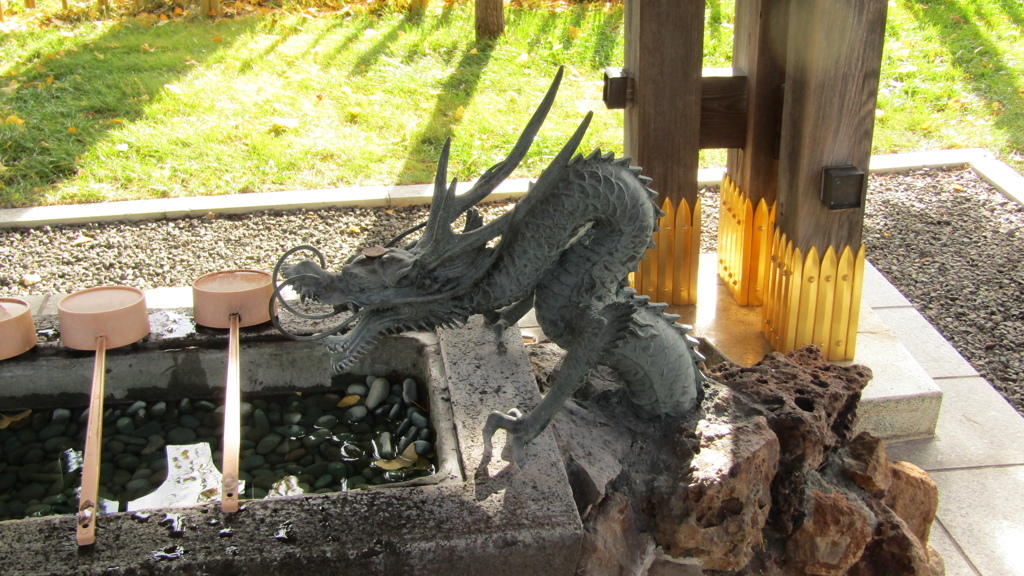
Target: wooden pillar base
(668,273)
(812,300)
(744,232)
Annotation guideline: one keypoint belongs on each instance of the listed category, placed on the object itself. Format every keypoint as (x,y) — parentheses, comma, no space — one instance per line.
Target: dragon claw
(512,422)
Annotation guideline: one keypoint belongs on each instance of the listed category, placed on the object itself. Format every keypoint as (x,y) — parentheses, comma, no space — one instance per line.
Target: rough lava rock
(766,477)
(718,511)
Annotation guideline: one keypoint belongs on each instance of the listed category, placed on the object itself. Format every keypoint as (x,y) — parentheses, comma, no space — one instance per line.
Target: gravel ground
(946,239)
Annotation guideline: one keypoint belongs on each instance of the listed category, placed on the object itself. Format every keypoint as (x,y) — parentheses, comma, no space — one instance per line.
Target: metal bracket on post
(842,187)
(618,88)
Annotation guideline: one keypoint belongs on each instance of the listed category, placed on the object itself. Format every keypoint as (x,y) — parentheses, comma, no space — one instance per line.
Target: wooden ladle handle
(88,504)
(232,422)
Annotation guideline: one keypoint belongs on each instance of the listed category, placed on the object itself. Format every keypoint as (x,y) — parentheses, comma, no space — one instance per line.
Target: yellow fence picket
(693,237)
(856,290)
(822,336)
(772,276)
(666,240)
(794,278)
(760,254)
(808,299)
(841,306)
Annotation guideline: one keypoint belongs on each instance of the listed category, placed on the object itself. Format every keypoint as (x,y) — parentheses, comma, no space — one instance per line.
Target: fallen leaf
(523,57)
(178,11)
(6,420)
(98,55)
(72,130)
(13,119)
(173,88)
(354,230)
(459,113)
(49,80)
(122,147)
(146,48)
(348,401)
(217,38)
(404,460)
(473,51)
(574,32)
(82,239)
(210,216)
(30,279)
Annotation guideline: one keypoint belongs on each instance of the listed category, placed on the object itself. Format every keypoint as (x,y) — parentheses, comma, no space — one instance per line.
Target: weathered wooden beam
(759,53)
(664,51)
(723,111)
(832,74)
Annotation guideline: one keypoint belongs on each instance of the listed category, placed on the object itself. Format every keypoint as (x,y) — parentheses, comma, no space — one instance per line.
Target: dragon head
(419,286)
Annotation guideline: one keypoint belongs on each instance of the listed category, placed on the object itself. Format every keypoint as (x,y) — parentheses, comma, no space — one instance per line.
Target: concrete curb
(998,174)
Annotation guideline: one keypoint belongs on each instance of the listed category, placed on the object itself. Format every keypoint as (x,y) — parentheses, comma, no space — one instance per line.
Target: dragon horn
(441,205)
(497,173)
(545,183)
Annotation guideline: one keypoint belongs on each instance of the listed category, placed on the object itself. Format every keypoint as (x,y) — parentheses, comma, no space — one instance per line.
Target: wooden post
(30,4)
(664,51)
(834,59)
(489,16)
(750,184)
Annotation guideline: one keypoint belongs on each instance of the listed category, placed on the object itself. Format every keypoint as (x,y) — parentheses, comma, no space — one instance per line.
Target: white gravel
(952,244)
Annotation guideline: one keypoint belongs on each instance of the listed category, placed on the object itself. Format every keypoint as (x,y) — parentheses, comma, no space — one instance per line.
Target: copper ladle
(17,331)
(98,319)
(232,299)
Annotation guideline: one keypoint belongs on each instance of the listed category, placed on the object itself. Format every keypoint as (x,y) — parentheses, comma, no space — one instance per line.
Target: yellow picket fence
(805,298)
(668,272)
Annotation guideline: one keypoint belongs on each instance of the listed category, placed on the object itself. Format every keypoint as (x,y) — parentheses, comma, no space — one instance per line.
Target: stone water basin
(471,516)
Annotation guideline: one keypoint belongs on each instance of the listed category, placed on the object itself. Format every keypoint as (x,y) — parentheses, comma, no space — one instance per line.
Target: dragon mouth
(367,326)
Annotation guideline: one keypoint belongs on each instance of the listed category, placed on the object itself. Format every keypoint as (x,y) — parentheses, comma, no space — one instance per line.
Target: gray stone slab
(34,301)
(977,427)
(926,345)
(483,518)
(901,401)
(956,563)
(984,513)
(879,293)
(50,306)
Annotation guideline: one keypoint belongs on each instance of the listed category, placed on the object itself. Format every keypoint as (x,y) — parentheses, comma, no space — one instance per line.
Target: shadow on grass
(72,101)
(375,52)
(456,90)
(973,52)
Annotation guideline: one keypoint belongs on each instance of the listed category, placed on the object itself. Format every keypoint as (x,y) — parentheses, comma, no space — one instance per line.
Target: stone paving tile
(983,509)
(879,293)
(977,427)
(925,344)
(956,563)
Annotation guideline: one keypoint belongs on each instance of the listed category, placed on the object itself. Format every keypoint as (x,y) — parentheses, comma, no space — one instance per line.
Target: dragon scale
(565,249)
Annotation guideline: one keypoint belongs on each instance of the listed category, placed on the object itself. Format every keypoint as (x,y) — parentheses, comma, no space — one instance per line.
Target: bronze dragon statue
(565,249)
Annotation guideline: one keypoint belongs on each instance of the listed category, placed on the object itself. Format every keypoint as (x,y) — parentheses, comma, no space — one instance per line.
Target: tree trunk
(418,6)
(490,19)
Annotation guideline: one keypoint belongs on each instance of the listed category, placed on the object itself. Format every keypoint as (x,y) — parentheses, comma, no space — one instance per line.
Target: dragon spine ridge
(565,250)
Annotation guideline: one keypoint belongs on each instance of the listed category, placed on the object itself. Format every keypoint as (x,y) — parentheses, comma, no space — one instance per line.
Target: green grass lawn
(122,108)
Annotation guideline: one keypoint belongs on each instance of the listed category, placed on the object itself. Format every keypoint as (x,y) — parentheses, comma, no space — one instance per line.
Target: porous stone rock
(717,513)
(832,537)
(893,550)
(612,545)
(866,464)
(914,497)
(810,404)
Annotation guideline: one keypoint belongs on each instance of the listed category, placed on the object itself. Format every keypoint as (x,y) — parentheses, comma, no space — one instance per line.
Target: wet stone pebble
(322,442)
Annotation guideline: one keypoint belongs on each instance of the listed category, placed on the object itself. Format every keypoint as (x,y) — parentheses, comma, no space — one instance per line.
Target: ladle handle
(88,504)
(232,422)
